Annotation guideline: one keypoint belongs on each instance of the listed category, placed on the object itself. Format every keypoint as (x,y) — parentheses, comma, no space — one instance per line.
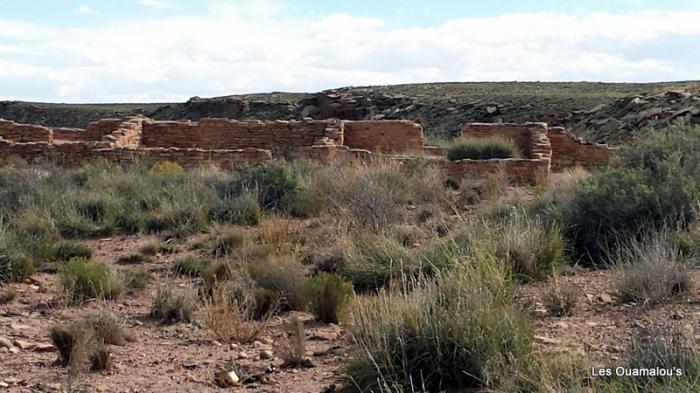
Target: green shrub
(482,149)
(240,210)
(275,183)
(654,184)
(66,250)
(131,259)
(15,267)
(166,168)
(376,260)
(452,334)
(190,266)
(327,296)
(82,279)
(136,280)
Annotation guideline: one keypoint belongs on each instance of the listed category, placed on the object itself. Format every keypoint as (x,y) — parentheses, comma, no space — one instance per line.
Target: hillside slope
(599,111)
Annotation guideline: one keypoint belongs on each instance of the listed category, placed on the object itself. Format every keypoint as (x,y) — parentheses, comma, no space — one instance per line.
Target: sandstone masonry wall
(75,153)
(69,134)
(384,136)
(24,132)
(232,134)
(570,151)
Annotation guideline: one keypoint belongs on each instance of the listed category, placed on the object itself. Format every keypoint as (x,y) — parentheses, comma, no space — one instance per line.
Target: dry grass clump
(531,248)
(84,343)
(652,271)
(7,295)
(190,266)
(153,248)
(174,304)
(294,352)
(456,332)
(132,259)
(561,299)
(285,276)
(327,296)
(232,312)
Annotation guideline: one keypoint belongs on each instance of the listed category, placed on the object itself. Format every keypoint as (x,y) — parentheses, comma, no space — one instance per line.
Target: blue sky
(164,50)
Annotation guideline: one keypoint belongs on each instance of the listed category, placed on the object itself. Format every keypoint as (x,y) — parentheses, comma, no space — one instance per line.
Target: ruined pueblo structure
(229,143)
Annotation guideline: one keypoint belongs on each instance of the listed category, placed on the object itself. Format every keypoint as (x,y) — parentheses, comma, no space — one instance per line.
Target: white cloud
(155,3)
(256,46)
(84,10)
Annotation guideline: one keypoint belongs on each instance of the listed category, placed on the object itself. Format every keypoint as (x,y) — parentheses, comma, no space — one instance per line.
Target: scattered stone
(337,351)
(225,379)
(605,298)
(23,345)
(43,348)
(257,344)
(266,354)
(243,355)
(547,340)
(6,343)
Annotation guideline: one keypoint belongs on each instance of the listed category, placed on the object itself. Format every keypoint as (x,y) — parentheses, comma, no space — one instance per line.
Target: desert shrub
(275,184)
(652,271)
(173,305)
(7,295)
(561,299)
(327,296)
(75,345)
(132,259)
(451,334)
(84,342)
(231,312)
(284,275)
(367,195)
(529,247)
(217,272)
(653,184)
(656,348)
(375,260)
(82,279)
(482,149)
(66,250)
(136,280)
(154,248)
(190,266)
(15,267)
(166,168)
(241,210)
(226,240)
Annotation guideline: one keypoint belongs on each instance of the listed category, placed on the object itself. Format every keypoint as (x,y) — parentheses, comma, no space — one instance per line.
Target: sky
(171,50)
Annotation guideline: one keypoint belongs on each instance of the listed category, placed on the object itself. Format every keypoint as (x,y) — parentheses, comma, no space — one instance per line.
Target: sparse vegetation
(190,266)
(132,259)
(482,149)
(328,295)
(136,280)
(82,279)
(561,299)
(7,295)
(652,271)
(174,304)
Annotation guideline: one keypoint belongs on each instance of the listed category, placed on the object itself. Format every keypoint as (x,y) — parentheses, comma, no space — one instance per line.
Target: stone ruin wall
(277,135)
(229,143)
(570,151)
(385,136)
